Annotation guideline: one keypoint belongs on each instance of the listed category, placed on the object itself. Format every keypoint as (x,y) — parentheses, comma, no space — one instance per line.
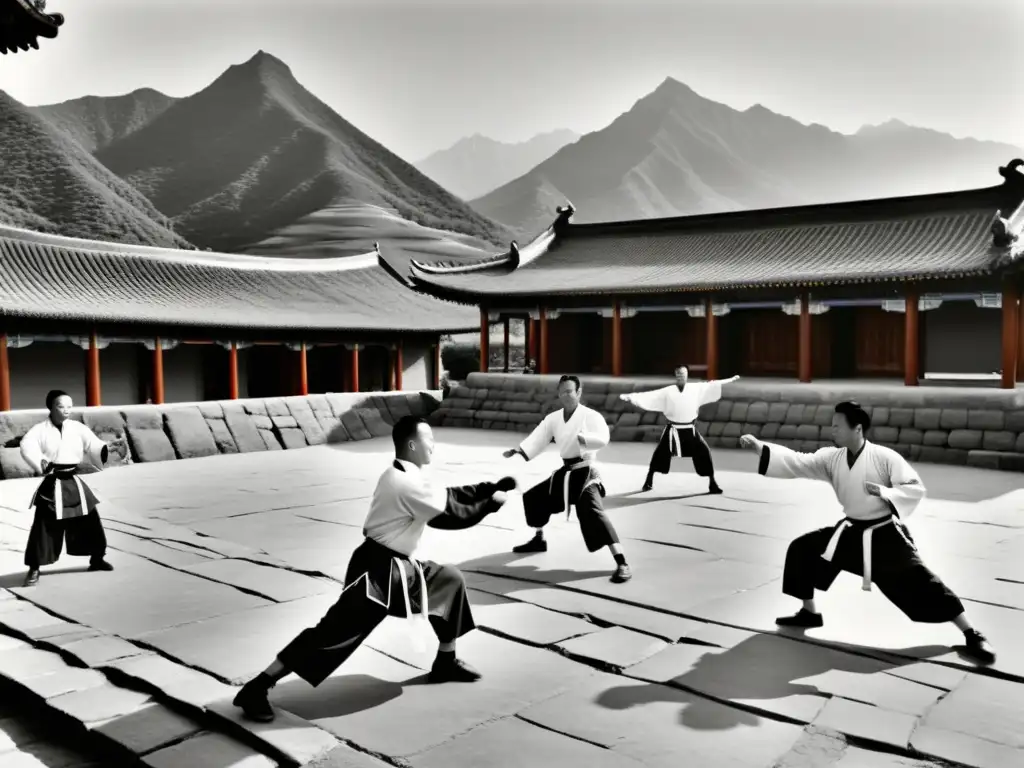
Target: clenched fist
(750,442)
(510,453)
(507,484)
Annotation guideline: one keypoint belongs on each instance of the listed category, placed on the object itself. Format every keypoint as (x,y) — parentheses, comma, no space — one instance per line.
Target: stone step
(148,709)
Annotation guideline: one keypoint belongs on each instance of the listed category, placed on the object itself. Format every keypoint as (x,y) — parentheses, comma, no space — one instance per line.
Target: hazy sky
(418,75)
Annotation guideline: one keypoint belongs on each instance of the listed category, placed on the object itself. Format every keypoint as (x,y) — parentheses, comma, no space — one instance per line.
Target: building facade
(913,288)
(117,324)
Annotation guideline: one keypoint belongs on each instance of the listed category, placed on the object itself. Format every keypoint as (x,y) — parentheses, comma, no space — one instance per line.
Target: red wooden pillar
(303,370)
(711,342)
(5,375)
(912,338)
(158,372)
(438,365)
(804,359)
(92,372)
(398,366)
(531,341)
(353,366)
(233,371)
(1011,322)
(485,340)
(1020,332)
(542,361)
(616,338)
(506,329)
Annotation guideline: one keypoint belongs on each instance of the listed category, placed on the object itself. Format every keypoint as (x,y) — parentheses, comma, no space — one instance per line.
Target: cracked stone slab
(655,725)
(614,646)
(208,750)
(855,757)
(59,641)
(14,732)
(291,736)
(363,701)
(984,707)
(816,747)
(174,680)
(10,643)
(526,622)
(25,663)
(865,721)
(173,558)
(95,651)
(344,756)
(148,728)
(46,753)
(104,702)
(276,584)
(741,674)
(59,628)
(881,690)
(137,598)
(69,680)
(963,749)
(25,618)
(935,675)
(512,743)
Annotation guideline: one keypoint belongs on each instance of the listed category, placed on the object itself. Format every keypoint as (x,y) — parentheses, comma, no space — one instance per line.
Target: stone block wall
(140,433)
(977,427)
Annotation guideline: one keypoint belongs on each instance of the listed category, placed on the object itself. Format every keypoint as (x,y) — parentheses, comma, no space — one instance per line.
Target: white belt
(674,446)
(565,485)
(58,496)
(418,633)
(866,535)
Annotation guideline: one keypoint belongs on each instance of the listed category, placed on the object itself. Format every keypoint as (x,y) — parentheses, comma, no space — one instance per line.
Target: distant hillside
(49,183)
(476,165)
(96,121)
(255,153)
(677,153)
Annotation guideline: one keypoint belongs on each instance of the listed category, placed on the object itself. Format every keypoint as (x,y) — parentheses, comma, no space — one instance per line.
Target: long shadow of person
(766,673)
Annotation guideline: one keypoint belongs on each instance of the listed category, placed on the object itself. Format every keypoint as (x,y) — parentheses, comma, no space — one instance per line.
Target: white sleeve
(596,434)
(32,449)
(537,440)
(654,400)
(711,392)
(905,491)
(781,462)
(92,446)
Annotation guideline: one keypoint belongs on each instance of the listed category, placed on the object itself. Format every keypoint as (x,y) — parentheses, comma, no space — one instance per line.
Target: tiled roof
(46,276)
(910,238)
(22,24)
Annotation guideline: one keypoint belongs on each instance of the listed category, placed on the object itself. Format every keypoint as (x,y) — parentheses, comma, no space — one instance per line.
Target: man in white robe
(681,403)
(878,490)
(64,505)
(384,578)
(579,432)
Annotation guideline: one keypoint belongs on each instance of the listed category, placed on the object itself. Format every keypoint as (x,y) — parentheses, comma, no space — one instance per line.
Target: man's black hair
(405,430)
(574,379)
(53,395)
(855,415)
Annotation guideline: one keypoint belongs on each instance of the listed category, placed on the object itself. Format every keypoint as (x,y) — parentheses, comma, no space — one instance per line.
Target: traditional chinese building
(911,287)
(23,22)
(121,324)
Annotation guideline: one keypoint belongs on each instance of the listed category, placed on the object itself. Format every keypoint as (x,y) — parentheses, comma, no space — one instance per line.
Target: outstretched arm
(780,462)
(654,400)
(467,505)
(94,449)
(534,443)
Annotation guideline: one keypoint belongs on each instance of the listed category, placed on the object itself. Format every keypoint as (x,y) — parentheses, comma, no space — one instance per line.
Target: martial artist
(579,432)
(65,507)
(384,578)
(878,489)
(681,403)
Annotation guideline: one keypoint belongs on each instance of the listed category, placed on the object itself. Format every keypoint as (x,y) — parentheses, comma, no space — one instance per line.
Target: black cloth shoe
(978,647)
(622,574)
(31,578)
(100,565)
(448,668)
(254,702)
(648,485)
(713,488)
(536,544)
(803,619)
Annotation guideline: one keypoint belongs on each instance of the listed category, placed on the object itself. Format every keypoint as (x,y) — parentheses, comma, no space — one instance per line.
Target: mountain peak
(889,127)
(264,63)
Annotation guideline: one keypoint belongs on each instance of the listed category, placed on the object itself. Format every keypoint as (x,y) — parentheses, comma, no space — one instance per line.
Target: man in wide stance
(65,507)
(579,432)
(680,402)
(877,488)
(384,579)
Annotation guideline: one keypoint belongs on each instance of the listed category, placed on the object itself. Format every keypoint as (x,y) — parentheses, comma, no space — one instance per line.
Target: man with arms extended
(878,489)
(384,579)
(681,403)
(65,507)
(579,432)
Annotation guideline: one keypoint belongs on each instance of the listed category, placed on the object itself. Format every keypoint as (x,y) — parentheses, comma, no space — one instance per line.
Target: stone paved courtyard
(220,561)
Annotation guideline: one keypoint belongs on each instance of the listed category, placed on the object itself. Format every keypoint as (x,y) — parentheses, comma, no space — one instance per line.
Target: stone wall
(139,433)
(979,427)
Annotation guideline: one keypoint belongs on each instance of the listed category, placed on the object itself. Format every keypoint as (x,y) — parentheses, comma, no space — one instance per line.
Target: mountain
(97,121)
(677,153)
(255,152)
(50,183)
(476,165)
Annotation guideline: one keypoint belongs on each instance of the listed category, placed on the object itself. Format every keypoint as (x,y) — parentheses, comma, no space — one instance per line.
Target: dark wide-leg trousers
(547,498)
(896,569)
(373,591)
(80,529)
(692,445)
